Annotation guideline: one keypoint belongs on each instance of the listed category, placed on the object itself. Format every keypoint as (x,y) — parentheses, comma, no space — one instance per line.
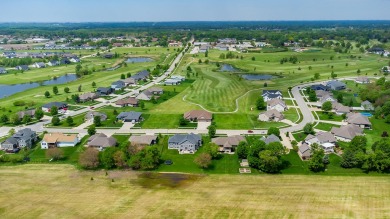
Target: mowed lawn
(216,91)
(61,191)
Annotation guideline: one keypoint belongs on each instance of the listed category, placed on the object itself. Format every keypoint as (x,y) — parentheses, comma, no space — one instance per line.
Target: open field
(122,194)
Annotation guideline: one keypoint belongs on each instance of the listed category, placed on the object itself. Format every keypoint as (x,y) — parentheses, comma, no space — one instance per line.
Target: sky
(190,10)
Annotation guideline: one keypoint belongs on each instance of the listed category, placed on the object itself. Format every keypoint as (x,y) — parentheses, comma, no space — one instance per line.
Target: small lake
(7,90)
(139,60)
(256,77)
(228,68)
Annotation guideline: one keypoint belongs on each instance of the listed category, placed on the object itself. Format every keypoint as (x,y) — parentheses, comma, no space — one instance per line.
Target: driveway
(203,125)
(127,126)
(84,125)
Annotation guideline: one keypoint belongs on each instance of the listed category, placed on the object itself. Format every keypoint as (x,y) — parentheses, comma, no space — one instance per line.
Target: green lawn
(291,114)
(324,116)
(77,120)
(325,126)
(242,121)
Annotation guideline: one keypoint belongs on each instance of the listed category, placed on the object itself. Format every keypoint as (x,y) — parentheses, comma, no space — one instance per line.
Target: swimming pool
(366,114)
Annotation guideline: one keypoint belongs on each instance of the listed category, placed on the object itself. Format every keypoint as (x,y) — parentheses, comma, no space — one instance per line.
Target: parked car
(250,131)
(168,162)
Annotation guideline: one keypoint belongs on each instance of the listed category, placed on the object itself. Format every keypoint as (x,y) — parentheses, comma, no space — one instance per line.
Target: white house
(52,140)
(271,94)
(276,104)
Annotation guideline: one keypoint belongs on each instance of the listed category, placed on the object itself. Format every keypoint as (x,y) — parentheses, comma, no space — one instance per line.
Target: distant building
(21,139)
(52,140)
(271,94)
(185,143)
(131,116)
(336,85)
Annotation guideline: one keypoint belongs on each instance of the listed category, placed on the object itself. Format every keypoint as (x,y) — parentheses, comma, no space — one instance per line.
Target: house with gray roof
(22,68)
(30,113)
(271,94)
(346,132)
(21,139)
(101,141)
(362,80)
(367,105)
(271,115)
(276,104)
(39,65)
(336,85)
(3,70)
(270,138)
(131,116)
(89,116)
(59,105)
(141,75)
(228,144)
(118,85)
(340,109)
(185,143)
(88,97)
(359,120)
(304,151)
(103,91)
(326,140)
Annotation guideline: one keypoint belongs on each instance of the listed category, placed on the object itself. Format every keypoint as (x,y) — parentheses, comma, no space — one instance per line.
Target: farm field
(126,193)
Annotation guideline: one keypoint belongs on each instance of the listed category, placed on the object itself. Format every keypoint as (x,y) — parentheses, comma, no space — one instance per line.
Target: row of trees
(16,120)
(124,156)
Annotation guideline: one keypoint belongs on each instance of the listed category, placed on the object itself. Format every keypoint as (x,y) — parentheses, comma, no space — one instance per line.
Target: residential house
(320,87)
(129,101)
(228,144)
(204,48)
(304,151)
(142,75)
(65,61)
(129,81)
(321,93)
(131,116)
(271,94)
(347,132)
(53,63)
(22,68)
(277,104)
(340,109)
(52,140)
(327,97)
(101,141)
(362,80)
(178,77)
(143,140)
(367,105)
(108,55)
(88,97)
(59,105)
(359,120)
(172,82)
(150,93)
(271,115)
(326,140)
(3,71)
(92,114)
(30,113)
(118,85)
(185,143)
(198,115)
(336,85)
(39,65)
(117,44)
(74,60)
(270,138)
(21,139)
(103,91)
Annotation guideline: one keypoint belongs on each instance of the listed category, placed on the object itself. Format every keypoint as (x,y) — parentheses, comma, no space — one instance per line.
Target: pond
(7,90)
(139,60)
(229,68)
(256,77)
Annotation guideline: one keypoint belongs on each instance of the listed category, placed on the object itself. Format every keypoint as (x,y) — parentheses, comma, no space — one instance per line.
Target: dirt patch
(169,180)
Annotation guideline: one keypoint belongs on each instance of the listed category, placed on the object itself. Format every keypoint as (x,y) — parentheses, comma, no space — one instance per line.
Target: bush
(89,159)
(203,160)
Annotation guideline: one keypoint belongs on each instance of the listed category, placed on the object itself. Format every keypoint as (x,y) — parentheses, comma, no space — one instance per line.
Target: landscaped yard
(325,126)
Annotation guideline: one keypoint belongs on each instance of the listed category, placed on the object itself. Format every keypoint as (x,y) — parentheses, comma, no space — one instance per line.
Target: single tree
(4,119)
(66,89)
(308,129)
(340,98)
(326,106)
(53,110)
(39,114)
(93,84)
(260,104)
(120,159)
(242,150)
(203,160)
(55,121)
(15,119)
(97,121)
(273,130)
(55,90)
(89,159)
(54,153)
(212,131)
(212,149)
(47,94)
(123,76)
(26,119)
(107,157)
(69,120)
(316,163)
(91,130)
(79,88)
